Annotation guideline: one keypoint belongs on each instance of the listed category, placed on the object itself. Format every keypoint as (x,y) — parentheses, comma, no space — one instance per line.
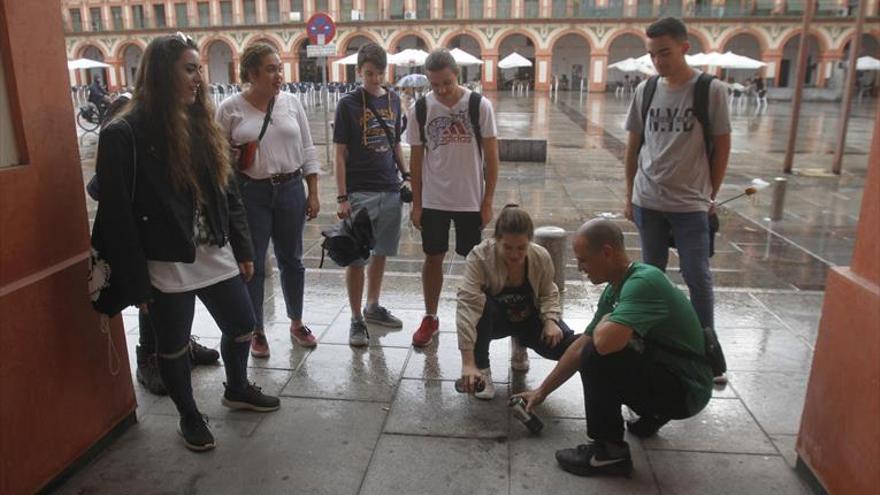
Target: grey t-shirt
(673,173)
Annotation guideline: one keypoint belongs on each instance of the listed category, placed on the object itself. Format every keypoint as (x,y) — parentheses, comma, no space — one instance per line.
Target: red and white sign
(321,29)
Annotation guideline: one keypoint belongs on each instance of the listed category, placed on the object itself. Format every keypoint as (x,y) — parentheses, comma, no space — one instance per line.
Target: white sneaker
(488,392)
(519,356)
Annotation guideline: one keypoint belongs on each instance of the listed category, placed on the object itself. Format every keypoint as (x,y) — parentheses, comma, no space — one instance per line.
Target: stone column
(113,73)
(597,71)
(773,58)
(490,69)
(826,66)
(287,62)
(838,447)
(543,69)
(206,74)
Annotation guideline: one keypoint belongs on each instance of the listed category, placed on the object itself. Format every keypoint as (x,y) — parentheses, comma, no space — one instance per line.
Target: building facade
(569,41)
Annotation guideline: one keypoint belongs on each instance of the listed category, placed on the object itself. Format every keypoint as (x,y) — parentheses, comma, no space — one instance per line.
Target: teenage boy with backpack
(452,133)
(676,158)
(369,167)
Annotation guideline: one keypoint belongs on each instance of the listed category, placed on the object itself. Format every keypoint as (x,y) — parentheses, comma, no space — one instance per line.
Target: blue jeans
(278,212)
(171,317)
(691,232)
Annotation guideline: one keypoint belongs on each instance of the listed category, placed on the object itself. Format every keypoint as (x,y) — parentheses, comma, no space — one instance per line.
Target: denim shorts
(385,214)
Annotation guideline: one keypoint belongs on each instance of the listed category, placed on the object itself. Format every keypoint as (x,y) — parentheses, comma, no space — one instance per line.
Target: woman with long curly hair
(174,228)
(275,125)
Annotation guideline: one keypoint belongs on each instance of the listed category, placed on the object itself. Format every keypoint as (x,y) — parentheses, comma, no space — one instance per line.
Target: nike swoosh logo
(597,463)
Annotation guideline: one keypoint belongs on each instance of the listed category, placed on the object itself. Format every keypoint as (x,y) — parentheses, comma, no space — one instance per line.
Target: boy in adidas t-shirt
(450,183)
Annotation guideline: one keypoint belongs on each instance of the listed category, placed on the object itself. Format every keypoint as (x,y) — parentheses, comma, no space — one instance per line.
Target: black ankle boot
(148,372)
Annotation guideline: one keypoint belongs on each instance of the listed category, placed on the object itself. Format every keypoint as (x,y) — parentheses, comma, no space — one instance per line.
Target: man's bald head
(600,232)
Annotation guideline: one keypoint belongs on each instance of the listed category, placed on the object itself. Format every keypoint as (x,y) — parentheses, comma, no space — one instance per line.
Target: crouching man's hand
(533,399)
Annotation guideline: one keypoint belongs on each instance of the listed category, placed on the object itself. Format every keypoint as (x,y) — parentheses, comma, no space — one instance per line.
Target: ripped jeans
(171,316)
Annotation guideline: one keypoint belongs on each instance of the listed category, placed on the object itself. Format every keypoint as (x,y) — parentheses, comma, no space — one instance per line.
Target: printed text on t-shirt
(455,128)
(671,121)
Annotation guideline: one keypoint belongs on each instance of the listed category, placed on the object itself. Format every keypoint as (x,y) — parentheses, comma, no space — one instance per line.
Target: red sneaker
(303,336)
(259,346)
(427,330)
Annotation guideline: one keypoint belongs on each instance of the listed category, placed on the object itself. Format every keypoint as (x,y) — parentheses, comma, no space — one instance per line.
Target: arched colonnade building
(573,40)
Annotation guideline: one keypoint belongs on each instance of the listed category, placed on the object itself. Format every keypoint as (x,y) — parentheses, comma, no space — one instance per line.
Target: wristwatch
(342,198)
(406,175)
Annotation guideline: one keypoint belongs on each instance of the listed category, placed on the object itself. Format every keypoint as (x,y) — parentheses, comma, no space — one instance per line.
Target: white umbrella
(464,58)
(85,63)
(413,81)
(730,60)
(867,63)
(349,60)
(634,65)
(513,61)
(410,57)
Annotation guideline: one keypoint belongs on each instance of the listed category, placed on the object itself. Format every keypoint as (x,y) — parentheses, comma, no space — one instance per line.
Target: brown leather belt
(276,179)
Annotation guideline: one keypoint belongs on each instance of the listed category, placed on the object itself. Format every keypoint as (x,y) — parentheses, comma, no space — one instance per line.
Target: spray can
(530,420)
(459,386)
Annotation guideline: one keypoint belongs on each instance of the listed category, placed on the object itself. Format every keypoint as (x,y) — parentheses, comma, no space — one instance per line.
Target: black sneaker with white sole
(251,398)
(597,459)
(196,433)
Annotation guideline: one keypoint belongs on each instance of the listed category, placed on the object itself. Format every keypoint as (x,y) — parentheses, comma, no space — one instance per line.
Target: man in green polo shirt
(644,348)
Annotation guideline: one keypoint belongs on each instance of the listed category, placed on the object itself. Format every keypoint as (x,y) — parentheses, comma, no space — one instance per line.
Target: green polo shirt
(658,312)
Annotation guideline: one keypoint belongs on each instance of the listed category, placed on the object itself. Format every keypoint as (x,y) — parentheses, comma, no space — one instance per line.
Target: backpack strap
(647,97)
(422,117)
(701,111)
(474,114)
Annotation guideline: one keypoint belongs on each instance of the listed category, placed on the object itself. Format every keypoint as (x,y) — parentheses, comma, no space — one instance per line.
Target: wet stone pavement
(386,419)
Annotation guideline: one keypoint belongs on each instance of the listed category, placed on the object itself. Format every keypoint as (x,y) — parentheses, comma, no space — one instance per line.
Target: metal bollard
(778,204)
(553,239)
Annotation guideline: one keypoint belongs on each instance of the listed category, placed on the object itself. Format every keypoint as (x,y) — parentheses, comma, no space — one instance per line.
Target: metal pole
(799,86)
(855,46)
(327,136)
(778,203)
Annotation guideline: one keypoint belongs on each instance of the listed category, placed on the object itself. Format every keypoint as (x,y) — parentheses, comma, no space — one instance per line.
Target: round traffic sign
(320,24)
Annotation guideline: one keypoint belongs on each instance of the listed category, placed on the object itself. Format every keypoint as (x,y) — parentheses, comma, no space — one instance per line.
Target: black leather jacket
(142,217)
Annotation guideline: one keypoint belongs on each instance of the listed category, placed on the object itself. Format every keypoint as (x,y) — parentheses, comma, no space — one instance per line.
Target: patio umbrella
(85,63)
(513,61)
(464,58)
(413,81)
(349,60)
(409,58)
(634,65)
(730,60)
(867,63)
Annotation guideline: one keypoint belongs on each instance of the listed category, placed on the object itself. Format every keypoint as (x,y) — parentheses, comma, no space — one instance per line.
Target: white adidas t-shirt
(452,172)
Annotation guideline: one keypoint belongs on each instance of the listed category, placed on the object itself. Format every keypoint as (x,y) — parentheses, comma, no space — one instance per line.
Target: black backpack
(701,112)
(349,240)
(473,113)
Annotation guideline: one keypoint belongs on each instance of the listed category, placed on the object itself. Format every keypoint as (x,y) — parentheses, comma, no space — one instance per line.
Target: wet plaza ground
(386,419)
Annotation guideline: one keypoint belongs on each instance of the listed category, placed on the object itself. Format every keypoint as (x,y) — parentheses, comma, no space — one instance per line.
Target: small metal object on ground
(553,240)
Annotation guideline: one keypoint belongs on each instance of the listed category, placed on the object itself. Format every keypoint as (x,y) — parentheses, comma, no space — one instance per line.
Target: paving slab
(723,426)
(343,372)
(686,473)
(775,398)
(434,408)
(443,466)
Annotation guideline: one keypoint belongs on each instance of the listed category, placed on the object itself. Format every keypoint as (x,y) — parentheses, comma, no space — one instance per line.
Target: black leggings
(171,316)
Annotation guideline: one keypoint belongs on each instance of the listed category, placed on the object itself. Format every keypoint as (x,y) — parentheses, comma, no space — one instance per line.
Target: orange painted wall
(839,439)
(57,397)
